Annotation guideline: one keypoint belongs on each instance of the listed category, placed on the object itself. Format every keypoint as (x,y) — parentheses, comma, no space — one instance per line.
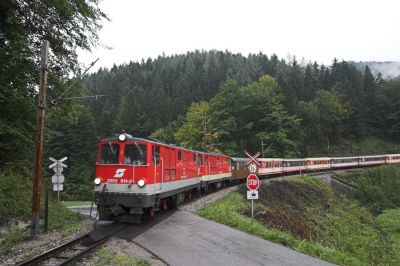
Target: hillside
(308,216)
(389,70)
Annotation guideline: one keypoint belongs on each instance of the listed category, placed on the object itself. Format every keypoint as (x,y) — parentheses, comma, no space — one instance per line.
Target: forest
(219,101)
(208,100)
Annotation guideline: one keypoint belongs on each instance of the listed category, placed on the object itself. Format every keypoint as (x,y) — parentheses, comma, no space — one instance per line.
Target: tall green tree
(67,25)
(389,106)
(197,132)
(323,119)
(245,116)
(76,140)
(370,88)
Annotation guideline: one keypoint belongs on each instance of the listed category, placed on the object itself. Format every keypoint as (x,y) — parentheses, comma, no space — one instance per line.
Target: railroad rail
(72,251)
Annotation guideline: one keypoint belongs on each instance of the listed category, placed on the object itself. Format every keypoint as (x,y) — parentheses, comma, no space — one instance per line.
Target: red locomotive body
(137,176)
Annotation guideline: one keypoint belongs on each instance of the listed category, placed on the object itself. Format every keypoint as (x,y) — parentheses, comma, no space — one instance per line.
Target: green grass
(106,257)
(309,217)
(389,221)
(75,203)
(10,239)
(377,188)
(16,194)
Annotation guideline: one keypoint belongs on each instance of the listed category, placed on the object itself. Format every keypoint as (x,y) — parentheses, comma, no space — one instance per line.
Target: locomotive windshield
(135,154)
(109,153)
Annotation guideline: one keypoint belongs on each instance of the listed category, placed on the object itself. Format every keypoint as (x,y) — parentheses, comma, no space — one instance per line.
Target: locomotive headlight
(97,180)
(141,183)
(122,137)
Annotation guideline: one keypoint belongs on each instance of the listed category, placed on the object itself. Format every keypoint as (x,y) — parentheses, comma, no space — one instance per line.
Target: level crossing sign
(253,159)
(58,179)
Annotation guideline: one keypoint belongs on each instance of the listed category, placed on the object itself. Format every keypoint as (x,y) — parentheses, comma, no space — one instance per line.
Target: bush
(378,188)
(16,194)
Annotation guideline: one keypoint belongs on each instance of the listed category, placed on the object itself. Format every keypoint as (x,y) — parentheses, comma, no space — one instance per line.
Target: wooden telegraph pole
(37,178)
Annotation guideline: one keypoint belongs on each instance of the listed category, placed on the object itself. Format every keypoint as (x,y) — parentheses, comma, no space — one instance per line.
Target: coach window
(109,153)
(155,154)
(135,154)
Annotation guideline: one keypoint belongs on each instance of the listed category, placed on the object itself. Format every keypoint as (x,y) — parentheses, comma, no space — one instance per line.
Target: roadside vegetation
(308,216)
(105,257)
(377,188)
(16,194)
(75,203)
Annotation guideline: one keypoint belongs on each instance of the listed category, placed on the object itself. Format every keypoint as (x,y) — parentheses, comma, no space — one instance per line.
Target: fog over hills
(389,70)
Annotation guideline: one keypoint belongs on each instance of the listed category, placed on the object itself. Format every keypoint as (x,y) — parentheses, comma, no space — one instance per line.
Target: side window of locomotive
(135,154)
(199,160)
(179,155)
(156,155)
(109,153)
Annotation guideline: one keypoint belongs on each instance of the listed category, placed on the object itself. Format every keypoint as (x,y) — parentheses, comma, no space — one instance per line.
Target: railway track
(72,251)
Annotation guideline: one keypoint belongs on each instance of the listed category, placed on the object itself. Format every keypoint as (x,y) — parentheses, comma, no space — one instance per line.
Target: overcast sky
(316,30)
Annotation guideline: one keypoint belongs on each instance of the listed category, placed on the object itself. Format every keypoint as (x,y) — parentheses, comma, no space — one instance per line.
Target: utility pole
(37,178)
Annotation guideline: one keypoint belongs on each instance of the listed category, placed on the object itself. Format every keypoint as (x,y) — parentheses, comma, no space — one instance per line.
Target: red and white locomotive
(136,177)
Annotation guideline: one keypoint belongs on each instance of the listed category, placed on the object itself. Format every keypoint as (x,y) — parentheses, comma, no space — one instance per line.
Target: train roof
(319,158)
(270,159)
(129,138)
(349,157)
(238,159)
(295,159)
(372,156)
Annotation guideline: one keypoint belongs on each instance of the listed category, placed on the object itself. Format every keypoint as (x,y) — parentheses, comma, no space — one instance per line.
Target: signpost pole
(46,211)
(252,210)
(58,190)
(37,178)
(252,180)
(58,179)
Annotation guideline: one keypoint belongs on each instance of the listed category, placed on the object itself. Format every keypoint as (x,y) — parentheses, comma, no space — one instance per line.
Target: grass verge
(75,203)
(16,194)
(106,257)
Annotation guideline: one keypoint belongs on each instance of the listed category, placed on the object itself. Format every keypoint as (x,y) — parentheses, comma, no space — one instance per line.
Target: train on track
(136,177)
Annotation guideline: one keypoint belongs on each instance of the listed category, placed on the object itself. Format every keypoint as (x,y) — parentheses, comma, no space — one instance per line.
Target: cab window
(199,160)
(135,154)
(109,153)
(156,155)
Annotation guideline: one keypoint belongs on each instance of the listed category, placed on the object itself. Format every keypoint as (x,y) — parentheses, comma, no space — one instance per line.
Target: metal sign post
(252,180)
(58,179)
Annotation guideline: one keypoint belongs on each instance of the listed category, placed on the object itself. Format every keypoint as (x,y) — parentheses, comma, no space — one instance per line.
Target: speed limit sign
(252,168)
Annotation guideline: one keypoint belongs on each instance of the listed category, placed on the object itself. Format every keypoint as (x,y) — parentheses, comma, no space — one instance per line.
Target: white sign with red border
(253,159)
